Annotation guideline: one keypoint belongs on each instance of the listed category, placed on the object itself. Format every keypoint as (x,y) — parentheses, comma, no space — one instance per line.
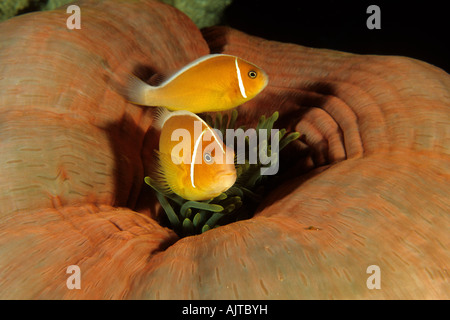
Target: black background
(415,29)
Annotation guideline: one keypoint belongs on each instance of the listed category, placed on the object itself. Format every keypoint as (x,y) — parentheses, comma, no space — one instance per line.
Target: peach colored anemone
(369,184)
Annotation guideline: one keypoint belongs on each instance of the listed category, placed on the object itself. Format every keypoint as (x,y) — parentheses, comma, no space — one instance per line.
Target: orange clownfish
(193,161)
(214,82)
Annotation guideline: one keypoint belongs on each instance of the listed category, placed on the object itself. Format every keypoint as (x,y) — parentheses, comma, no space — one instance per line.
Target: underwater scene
(223,150)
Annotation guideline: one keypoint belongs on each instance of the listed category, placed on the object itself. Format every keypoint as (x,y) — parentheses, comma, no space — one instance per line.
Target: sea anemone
(241,200)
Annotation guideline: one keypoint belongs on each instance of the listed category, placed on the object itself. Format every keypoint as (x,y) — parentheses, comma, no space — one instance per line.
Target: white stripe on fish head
(197,144)
(241,84)
(194,155)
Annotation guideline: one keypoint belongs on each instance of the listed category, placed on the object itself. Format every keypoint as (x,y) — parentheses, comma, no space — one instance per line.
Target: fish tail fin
(136,90)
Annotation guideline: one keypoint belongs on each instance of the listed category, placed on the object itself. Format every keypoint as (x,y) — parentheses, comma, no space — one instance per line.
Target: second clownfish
(193,161)
(215,82)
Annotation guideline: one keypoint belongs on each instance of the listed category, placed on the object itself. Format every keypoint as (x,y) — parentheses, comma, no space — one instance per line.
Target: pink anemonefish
(214,82)
(193,161)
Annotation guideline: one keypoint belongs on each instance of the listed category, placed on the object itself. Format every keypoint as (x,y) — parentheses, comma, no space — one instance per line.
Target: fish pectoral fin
(169,175)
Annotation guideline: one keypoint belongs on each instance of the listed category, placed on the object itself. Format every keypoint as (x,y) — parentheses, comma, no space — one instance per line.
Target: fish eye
(252,74)
(208,158)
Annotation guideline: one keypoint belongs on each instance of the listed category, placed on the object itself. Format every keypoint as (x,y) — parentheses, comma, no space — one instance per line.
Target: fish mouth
(227,179)
(266,81)
(226,175)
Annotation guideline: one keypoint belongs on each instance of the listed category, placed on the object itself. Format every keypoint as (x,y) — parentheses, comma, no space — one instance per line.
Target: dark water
(416,29)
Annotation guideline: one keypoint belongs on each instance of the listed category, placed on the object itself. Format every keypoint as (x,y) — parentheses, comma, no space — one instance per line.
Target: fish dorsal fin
(163,114)
(160,116)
